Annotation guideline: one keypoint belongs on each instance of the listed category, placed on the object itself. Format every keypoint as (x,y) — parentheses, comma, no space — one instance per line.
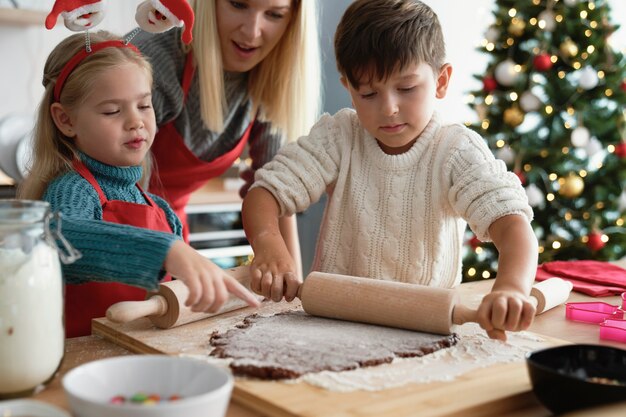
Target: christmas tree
(552,108)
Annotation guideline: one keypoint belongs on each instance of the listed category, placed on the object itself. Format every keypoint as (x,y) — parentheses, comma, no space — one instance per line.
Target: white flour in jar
(31,317)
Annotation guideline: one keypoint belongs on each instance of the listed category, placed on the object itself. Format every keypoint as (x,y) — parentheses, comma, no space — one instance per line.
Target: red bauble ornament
(489,84)
(594,241)
(623,86)
(521,177)
(620,150)
(474,242)
(542,62)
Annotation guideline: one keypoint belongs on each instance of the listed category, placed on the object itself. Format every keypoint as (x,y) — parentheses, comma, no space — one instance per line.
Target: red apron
(178,172)
(91,300)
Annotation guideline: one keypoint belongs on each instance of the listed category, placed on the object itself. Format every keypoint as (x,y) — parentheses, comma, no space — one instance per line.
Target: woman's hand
(505,310)
(208,284)
(273,271)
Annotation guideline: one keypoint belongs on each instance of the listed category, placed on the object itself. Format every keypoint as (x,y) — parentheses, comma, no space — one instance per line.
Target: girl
(251,76)
(95,127)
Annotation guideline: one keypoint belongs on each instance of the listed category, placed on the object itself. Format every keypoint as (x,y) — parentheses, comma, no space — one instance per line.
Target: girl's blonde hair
(53,152)
(284,87)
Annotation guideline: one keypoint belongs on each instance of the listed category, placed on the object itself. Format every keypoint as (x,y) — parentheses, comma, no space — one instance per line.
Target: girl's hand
(505,310)
(273,271)
(208,284)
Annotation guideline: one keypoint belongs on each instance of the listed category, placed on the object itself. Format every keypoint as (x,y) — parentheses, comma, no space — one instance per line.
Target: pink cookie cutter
(608,316)
(592,312)
(612,329)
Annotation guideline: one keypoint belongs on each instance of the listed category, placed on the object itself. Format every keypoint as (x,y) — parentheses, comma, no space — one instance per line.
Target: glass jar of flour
(31,295)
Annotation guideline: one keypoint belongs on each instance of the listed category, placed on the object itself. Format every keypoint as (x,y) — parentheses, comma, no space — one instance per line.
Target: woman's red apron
(178,172)
(91,300)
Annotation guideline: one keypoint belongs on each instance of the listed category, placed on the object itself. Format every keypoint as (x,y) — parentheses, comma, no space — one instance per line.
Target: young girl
(95,128)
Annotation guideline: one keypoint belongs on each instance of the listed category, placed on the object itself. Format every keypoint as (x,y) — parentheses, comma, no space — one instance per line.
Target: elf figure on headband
(78,15)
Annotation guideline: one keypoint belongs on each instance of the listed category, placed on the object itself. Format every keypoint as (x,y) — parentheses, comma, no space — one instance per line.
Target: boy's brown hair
(377,37)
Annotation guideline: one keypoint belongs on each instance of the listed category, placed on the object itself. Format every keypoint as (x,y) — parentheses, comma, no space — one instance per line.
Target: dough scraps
(288,345)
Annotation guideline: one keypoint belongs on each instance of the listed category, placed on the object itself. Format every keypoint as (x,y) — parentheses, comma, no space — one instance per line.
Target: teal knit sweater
(110,251)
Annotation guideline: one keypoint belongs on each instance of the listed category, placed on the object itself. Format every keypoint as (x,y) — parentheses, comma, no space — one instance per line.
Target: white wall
(23,49)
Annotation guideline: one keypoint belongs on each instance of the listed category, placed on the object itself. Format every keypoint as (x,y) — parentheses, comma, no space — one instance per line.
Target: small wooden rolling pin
(406,306)
(167,307)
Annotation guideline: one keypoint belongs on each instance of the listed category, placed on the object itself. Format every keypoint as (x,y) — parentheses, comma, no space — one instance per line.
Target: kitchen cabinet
(215,227)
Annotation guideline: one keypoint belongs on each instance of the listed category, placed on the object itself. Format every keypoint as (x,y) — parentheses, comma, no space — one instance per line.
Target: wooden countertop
(552,323)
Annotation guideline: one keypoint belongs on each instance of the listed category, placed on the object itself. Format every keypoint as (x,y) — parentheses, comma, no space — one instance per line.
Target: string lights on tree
(551,107)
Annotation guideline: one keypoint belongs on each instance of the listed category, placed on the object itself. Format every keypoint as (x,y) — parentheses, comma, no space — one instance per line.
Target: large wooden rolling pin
(386,303)
(167,307)
(406,306)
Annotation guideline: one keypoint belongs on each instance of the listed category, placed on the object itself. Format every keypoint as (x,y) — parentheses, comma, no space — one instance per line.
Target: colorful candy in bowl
(148,386)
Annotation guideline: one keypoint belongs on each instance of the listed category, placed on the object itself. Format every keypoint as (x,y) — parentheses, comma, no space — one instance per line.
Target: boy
(401,184)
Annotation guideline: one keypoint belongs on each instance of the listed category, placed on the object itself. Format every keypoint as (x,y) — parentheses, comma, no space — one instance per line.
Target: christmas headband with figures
(154,16)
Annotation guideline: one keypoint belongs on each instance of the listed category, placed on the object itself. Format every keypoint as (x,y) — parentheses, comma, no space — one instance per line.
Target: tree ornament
(571,186)
(535,196)
(570,3)
(492,34)
(594,241)
(588,78)
(620,150)
(529,102)
(623,85)
(580,137)
(521,176)
(621,203)
(594,147)
(505,73)
(474,242)
(513,116)
(542,62)
(506,154)
(517,26)
(481,110)
(546,19)
(568,48)
(489,84)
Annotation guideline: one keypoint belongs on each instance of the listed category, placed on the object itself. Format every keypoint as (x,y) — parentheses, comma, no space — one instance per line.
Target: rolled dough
(291,344)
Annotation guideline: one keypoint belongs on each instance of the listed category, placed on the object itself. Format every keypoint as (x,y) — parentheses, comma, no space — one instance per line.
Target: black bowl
(570,377)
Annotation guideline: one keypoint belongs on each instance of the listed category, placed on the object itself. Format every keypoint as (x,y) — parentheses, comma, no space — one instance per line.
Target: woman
(250,76)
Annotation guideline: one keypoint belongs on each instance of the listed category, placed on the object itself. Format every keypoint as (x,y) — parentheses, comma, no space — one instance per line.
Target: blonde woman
(95,126)
(250,77)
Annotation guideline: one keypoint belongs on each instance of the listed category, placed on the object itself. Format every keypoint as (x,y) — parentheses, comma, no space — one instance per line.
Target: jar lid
(21,212)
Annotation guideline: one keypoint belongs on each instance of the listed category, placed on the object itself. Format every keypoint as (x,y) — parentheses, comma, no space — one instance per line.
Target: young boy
(401,184)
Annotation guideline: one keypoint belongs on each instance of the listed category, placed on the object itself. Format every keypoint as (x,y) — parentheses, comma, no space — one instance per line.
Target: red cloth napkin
(595,278)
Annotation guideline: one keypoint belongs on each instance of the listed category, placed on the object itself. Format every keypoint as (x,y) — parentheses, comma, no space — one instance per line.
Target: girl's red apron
(91,300)
(178,172)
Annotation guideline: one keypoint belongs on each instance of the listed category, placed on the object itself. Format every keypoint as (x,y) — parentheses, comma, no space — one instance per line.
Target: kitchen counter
(552,323)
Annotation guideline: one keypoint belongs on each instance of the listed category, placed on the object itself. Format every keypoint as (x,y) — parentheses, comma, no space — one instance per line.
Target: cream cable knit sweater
(394,217)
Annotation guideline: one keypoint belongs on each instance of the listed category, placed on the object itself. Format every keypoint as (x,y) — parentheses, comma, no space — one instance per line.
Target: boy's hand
(505,310)
(208,284)
(273,271)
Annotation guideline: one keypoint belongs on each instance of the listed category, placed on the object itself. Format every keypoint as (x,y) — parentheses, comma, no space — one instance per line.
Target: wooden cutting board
(498,390)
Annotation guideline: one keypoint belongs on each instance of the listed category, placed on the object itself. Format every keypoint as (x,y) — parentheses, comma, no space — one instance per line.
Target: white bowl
(205,389)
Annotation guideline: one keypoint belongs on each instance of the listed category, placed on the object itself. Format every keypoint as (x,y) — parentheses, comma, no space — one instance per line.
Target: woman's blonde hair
(284,87)
(53,152)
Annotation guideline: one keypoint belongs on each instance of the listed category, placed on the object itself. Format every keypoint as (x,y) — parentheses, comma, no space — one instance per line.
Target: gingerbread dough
(288,345)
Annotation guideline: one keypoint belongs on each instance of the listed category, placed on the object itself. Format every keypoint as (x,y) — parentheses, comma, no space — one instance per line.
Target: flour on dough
(292,344)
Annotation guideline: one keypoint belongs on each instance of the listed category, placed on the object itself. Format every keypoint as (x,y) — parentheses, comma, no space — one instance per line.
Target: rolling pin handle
(462,315)
(550,293)
(126,311)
